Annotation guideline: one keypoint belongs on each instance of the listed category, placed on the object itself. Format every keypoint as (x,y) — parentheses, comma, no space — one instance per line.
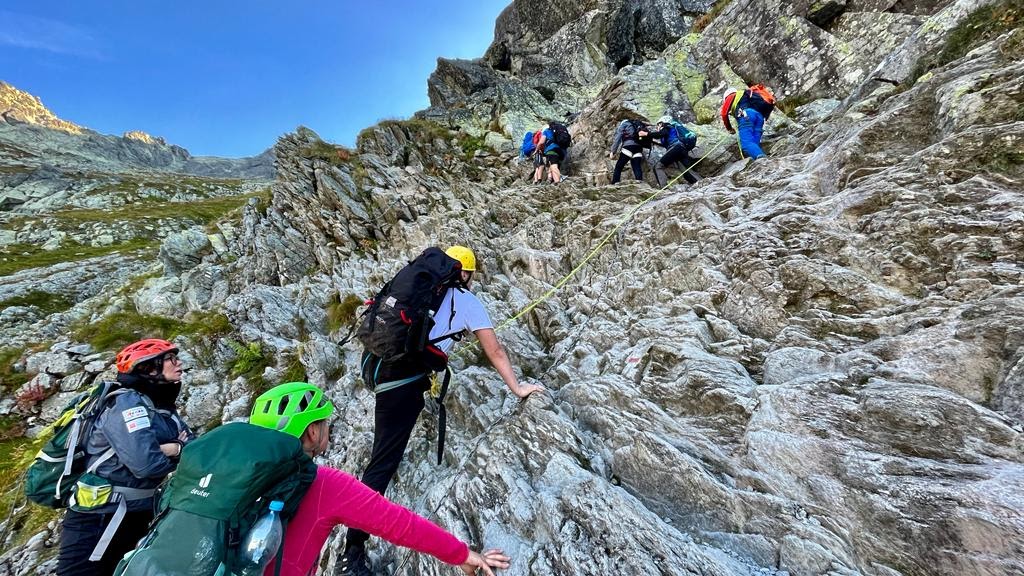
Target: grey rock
(183,250)
(80,350)
(96,366)
(53,363)
(160,296)
(205,405)
(76,382)
(787,364)
(804,364)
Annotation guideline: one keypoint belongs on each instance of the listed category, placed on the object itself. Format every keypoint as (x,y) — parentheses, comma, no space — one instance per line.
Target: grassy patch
(136,283)
(263,199)
(294,371)
(14,152)
(11,426)
(210,324)
(330,153)
(789,105)
(341,312)
(48,303)
(122,328)
(16,169)
(470,145)
(704,21)
(418,129)
(1005,161)
(25,519)
(199,211)
(250,361)
(120,184)
(18,257)
(984,25)
(9,379)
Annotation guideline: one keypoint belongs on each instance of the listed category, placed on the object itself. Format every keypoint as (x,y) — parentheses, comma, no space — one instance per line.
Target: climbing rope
(604,240)
(461,469)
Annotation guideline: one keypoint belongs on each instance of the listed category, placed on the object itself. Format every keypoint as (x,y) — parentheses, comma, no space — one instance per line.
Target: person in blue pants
(751,108)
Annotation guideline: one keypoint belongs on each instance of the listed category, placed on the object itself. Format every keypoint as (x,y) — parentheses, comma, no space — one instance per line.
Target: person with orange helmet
(132,446)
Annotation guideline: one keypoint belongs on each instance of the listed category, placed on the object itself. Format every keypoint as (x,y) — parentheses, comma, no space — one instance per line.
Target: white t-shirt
(470,315)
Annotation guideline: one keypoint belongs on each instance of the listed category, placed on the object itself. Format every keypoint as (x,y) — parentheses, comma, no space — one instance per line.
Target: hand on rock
(493,558)
(525,390)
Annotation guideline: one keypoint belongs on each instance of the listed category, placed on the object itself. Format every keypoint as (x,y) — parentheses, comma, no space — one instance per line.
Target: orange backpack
(764,93)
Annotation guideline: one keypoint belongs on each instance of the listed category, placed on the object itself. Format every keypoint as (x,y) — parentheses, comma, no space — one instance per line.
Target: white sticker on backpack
(138,424)
(133,413)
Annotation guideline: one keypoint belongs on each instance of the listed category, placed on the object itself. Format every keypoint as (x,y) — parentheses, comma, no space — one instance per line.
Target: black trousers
(394,417)
(80,532)
(636,163)
(676,153)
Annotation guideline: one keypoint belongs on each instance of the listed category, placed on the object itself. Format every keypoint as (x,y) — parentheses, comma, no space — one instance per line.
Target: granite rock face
(808,364)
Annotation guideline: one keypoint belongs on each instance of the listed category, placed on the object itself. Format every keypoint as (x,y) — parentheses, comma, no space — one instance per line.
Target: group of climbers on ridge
(126,438)
(548,146)
(750,107)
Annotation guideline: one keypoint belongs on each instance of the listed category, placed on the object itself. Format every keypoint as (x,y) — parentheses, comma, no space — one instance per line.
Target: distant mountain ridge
(30,132)
(20,106)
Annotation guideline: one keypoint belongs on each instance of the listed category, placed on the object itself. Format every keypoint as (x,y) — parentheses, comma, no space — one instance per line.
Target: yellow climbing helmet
(464,255)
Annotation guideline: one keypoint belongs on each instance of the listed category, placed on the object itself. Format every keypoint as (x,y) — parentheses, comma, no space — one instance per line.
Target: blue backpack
(528,146)
(687,138)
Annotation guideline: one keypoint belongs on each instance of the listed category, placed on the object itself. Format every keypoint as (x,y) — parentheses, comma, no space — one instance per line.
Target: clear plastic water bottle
(261,544)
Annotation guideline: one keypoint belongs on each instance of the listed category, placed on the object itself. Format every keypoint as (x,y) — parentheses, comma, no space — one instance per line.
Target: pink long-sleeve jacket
(339,498)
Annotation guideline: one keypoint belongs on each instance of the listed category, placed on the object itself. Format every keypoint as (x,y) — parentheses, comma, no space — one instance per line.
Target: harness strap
(124,495)
(103,458)
(395,384)
(442,414)
(108,533)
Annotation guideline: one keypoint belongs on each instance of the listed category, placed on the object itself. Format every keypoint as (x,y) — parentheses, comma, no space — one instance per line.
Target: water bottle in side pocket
(263,541)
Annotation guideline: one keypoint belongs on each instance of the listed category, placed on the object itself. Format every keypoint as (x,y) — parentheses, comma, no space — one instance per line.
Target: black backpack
(632,132)
(396,327)
(560,134)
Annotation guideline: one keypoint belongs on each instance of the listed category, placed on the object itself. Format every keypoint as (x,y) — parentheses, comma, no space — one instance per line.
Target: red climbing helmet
(141,351)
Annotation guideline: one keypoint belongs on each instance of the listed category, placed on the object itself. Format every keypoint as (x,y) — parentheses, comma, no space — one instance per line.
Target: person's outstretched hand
(493,558)
(525,390)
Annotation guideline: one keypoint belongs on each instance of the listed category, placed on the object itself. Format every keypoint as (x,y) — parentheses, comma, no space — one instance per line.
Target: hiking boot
(353,563)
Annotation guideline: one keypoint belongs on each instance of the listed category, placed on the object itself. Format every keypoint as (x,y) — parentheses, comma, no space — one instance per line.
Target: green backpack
(51,478)
(223,484)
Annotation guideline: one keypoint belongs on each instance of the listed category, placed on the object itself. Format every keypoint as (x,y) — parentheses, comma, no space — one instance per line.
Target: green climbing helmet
(290,408)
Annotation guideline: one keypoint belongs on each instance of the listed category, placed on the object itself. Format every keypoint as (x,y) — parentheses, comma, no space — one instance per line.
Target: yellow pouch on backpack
(90,493)
(435,385)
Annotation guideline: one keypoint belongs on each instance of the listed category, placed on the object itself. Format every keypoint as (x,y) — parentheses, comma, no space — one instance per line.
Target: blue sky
(227,78)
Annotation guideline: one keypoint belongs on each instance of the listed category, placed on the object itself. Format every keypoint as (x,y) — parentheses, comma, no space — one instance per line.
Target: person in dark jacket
(628,146)
(678,142)
(134,444)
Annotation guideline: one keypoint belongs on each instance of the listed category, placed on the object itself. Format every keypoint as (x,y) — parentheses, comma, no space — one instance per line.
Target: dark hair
(146,366)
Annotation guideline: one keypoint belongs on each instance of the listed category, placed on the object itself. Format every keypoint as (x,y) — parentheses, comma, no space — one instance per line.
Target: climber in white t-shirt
(400,401)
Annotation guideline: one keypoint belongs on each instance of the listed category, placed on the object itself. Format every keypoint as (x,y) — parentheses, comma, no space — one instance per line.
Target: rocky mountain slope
(84,214)
(808,364)
(47,163)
